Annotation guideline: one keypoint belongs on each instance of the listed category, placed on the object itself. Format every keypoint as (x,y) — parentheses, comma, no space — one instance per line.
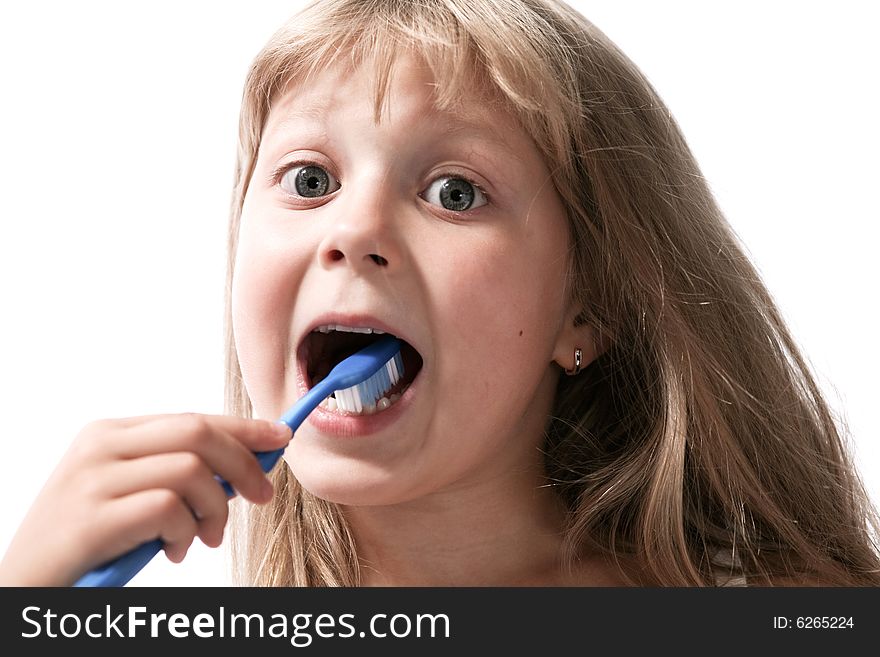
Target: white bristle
(369,392)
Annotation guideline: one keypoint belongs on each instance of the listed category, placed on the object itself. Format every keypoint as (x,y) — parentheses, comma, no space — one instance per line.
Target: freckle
(520,332)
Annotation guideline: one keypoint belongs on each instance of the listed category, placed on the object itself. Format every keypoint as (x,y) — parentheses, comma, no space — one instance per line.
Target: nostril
(379,260)
(336,255)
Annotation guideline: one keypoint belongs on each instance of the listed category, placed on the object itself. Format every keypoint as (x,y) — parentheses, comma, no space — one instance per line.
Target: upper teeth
(326,328)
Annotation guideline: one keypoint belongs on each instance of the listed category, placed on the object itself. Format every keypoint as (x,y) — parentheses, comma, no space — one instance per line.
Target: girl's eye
(455,194)
(309,181)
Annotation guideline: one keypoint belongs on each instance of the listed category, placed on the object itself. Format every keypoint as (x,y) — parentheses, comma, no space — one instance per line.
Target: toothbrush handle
(122,569)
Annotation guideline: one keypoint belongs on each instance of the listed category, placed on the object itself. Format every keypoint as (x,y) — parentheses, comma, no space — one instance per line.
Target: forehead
(409,99)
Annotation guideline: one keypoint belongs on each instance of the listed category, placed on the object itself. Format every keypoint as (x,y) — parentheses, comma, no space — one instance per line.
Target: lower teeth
(330,404)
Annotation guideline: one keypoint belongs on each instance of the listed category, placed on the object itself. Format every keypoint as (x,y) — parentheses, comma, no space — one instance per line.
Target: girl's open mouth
(328,345)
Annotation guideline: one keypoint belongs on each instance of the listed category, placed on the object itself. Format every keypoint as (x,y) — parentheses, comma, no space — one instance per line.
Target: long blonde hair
(700,438)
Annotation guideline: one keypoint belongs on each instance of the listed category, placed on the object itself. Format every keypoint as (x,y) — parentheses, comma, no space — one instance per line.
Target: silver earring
(577,362)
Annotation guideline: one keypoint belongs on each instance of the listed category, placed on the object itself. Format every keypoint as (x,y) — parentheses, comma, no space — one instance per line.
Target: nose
(362,235)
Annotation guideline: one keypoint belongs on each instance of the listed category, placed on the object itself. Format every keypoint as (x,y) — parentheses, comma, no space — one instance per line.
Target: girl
(602,390)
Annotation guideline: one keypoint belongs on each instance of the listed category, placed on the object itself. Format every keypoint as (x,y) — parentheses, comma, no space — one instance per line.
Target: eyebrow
(480,131)
(270,128)
(445,124)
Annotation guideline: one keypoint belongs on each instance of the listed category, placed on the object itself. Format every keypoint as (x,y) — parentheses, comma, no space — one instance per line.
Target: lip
(353,426)
(350,426)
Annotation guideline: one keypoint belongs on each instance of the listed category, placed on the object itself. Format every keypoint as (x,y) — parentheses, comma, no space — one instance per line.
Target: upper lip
(355,320)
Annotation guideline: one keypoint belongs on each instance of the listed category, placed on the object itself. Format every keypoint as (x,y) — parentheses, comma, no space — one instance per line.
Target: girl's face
(445,230)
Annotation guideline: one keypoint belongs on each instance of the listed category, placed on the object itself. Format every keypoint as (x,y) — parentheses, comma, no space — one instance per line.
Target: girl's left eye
(455,194)
(308,181)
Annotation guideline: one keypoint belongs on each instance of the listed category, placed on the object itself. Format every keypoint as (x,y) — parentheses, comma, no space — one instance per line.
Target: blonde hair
(699,441)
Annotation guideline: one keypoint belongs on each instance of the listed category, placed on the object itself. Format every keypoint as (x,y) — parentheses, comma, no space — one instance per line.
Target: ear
(577,335)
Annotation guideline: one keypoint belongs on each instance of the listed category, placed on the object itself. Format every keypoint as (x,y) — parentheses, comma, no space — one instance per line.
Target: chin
(354,495)
(351,485)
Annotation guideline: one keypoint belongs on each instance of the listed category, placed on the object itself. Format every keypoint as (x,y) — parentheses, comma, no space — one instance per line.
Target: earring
(577,362)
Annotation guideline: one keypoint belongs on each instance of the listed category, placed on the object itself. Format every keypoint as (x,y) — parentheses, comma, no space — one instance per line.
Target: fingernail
(283,431)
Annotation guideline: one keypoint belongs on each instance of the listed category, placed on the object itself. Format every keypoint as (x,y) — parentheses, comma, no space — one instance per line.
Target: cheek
(508,284)
(503,307)
(261,308)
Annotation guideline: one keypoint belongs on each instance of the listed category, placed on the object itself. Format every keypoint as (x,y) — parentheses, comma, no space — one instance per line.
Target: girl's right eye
(308,181)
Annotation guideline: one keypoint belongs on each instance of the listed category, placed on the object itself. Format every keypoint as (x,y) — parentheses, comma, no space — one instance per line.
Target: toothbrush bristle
(370,391)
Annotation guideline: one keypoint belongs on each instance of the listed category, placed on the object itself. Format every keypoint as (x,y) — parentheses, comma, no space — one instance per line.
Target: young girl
(603,392)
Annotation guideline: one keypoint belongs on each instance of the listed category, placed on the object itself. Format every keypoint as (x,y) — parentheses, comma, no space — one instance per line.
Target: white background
(118,125)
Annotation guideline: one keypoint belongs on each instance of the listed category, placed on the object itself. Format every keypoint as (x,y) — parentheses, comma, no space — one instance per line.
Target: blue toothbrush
(359,380)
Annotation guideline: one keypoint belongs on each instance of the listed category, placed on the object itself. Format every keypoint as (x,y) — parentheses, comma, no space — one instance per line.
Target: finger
(256,435)
(125,422)
(183,472)
(147,515)
(222,452)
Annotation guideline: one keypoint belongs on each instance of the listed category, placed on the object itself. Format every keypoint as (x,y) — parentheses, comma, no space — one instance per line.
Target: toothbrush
(359,380)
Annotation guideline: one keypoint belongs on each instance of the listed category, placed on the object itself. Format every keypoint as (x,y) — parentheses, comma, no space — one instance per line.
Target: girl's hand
(125,482)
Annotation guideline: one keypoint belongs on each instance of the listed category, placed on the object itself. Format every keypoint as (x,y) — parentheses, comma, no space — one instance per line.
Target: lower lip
(353,426)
